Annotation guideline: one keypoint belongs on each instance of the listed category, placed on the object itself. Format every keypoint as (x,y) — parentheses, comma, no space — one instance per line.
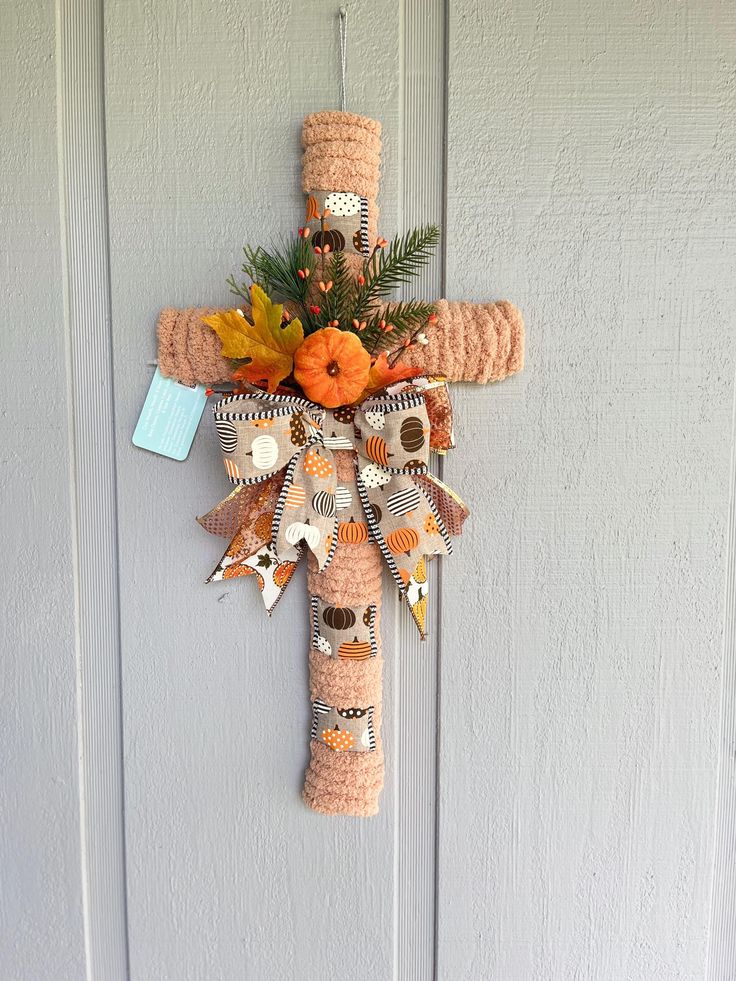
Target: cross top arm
(478,342)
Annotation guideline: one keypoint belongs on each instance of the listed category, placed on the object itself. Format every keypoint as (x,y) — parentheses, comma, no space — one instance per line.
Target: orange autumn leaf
(268,343)
(382,374)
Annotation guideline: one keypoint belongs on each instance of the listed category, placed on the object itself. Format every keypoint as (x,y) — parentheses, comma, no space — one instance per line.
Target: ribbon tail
(306,509)
(251,552)
(272,573)
(407,526)
(417,596)
(224,518)
(276,578)
(401,577)
(417,588)
(231,561)
(253,528)
(241,507)
(450,506)
(289,497)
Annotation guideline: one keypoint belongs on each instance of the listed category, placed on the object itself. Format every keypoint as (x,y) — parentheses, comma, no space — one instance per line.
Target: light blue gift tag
(169,418)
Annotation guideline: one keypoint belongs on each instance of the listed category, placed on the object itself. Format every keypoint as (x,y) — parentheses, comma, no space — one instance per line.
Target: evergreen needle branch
(238,289)
(389,268)
(340,300)
(403,317)
(277,272)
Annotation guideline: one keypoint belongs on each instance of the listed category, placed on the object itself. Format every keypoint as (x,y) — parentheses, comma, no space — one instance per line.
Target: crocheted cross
(477,342)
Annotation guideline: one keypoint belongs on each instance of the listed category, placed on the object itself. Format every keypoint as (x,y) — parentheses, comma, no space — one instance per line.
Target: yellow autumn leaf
(269,345)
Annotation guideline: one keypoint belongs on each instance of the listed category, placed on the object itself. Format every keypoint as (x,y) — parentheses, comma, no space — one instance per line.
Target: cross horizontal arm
(477,342)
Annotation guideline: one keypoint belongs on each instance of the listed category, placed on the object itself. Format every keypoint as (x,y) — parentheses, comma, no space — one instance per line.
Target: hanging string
(343,54)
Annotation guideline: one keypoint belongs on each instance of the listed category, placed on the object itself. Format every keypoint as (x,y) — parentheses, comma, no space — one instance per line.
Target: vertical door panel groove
(422,197)
(722,947)
(80,94)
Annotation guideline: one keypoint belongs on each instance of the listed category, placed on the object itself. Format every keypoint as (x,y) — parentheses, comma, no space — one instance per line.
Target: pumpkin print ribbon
(279,450)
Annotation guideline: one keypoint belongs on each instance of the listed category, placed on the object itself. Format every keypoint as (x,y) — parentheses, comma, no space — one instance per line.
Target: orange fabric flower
(332,367)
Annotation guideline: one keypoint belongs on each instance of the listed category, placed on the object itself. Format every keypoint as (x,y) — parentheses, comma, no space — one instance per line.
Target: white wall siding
(590,172)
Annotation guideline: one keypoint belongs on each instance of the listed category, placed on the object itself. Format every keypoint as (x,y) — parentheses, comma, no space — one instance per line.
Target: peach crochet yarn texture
(489,347)
(188,349)
(337,782)
(342,152)
(478,342)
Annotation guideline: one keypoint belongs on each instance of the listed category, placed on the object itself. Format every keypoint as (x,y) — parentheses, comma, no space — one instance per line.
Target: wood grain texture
(229,874)
(41,914)
(591,178)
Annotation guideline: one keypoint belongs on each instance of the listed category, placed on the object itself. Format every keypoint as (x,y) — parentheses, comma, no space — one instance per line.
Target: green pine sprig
(337,303)
(287,274)
(389,268)
(393,323)
(277,272)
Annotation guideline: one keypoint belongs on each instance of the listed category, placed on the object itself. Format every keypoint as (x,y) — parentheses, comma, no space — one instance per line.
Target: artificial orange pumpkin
(332,367)
(352,532)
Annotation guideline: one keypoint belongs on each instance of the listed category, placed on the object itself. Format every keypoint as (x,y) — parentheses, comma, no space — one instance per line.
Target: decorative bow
(280,451)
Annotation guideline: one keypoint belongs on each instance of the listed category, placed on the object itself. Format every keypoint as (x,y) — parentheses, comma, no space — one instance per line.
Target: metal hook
(343,11)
